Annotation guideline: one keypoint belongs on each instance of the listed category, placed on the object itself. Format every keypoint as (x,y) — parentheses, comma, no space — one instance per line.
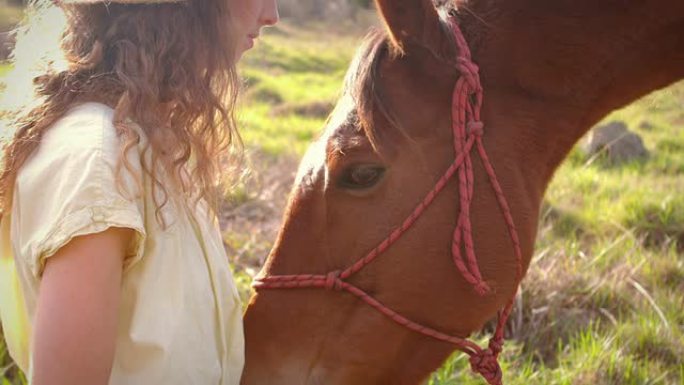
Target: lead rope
(468,132)
(468,126)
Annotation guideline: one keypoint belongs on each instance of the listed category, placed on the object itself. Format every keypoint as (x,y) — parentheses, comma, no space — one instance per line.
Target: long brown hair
(169,68)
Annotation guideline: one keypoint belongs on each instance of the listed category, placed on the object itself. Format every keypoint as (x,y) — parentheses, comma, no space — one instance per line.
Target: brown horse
(549,69)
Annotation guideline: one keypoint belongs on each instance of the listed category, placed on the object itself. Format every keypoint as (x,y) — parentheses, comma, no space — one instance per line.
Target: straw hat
(59,2)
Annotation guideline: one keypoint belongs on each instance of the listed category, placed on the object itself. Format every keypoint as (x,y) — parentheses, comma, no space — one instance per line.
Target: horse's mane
(360,82)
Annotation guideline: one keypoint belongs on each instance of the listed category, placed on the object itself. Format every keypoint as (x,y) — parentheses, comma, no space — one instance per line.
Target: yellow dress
(180,318)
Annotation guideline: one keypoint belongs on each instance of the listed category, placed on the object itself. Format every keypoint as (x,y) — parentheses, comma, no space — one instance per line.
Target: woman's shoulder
(83,127)
(84,135)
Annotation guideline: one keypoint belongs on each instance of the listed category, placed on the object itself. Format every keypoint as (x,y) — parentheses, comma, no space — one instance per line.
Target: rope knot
(482,288)
(475,128)
(485,363)
(470,71)
(333,281)
(496,345)
(467,67)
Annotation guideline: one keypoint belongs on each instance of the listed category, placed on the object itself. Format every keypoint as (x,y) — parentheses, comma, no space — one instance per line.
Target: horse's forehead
(341,135)
(312,168)
(343,131)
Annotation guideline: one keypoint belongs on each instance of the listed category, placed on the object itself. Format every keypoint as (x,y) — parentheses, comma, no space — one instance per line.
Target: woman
(113,267)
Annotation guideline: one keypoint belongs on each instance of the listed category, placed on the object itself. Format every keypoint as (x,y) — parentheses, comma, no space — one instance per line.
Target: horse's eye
(361,176)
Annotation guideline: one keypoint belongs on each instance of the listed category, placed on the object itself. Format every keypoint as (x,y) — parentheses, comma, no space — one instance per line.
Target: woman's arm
(77,310)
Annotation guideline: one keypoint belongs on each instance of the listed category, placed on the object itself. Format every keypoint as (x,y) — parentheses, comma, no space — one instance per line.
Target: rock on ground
(616,142)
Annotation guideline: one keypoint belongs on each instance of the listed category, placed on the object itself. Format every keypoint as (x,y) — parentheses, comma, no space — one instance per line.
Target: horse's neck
(557,67)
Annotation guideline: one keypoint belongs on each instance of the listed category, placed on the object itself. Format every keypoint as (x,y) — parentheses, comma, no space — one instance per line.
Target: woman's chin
(243,49)
(239,54)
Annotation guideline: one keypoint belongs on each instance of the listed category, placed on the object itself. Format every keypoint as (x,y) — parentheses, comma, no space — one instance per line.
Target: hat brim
(59,2)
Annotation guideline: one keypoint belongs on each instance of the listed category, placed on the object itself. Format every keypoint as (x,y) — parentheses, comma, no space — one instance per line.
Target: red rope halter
(468,131)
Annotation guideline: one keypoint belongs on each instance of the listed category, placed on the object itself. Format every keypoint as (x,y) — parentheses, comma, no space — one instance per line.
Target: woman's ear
(413,22)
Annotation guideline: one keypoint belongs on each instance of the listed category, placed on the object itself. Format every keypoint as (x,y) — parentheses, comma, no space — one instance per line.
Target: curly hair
(169,68)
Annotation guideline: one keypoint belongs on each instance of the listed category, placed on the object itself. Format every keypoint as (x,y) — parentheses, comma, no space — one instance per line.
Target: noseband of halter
(468,132)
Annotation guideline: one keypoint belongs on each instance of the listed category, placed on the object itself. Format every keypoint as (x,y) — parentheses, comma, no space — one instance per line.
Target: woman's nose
(269,15)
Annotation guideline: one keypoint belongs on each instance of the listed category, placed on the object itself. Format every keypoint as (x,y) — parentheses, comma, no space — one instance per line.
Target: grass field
(603,301)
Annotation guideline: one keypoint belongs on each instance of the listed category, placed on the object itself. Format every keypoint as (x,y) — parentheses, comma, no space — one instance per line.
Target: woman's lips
(250,40)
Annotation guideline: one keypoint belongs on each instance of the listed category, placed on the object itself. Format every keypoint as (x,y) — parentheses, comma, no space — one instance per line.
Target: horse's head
(550,70)
(385,146)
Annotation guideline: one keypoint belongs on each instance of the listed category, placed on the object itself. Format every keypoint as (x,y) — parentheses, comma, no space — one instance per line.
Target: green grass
(603,300)
(289,71)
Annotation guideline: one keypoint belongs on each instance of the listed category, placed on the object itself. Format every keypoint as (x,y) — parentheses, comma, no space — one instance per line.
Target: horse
(549,71)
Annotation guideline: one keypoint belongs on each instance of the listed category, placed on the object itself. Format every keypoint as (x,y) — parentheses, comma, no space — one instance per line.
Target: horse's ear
(412,22)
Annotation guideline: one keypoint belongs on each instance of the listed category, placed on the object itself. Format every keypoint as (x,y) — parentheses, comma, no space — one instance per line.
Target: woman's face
(250,16)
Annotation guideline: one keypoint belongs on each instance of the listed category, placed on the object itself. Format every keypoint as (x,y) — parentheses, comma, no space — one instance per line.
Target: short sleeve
(68,188)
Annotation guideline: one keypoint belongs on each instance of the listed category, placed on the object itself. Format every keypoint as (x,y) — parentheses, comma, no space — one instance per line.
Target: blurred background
(603,302)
